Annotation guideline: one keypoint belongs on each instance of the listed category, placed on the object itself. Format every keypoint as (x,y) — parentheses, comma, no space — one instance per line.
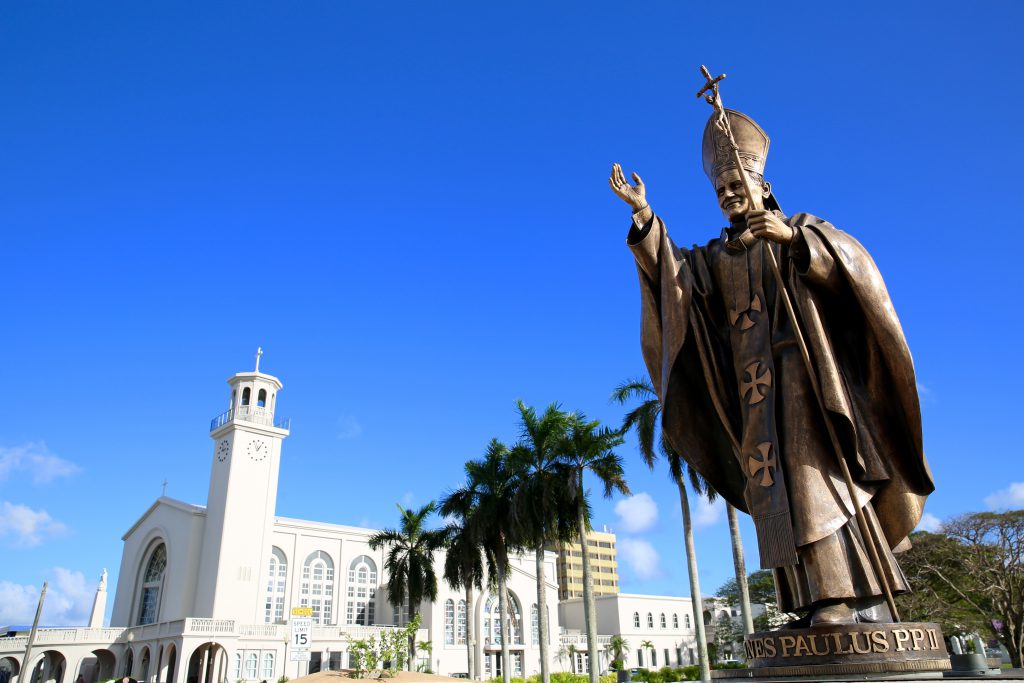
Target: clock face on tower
(223,450)
(258,450)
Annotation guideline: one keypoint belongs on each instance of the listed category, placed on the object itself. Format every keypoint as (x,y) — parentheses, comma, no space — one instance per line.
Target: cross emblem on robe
(755,384)
(743,317)
(764,466)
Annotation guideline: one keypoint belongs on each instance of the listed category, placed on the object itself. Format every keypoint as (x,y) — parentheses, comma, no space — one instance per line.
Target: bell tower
(243,496)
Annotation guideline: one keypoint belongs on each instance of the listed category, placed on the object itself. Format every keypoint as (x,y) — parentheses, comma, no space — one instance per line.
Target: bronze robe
(739,406)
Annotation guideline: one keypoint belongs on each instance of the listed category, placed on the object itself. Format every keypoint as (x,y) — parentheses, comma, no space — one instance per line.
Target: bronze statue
(785,381)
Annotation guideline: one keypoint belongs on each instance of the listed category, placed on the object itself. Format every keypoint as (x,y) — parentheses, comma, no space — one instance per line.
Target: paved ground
(402,677)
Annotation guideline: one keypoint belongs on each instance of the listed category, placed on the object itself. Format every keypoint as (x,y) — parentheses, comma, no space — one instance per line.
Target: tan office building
(604,566)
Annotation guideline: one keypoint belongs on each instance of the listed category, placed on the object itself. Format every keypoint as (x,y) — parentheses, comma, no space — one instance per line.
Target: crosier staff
(871,540)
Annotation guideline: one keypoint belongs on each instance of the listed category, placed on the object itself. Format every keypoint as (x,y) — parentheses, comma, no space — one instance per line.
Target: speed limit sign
(302,638)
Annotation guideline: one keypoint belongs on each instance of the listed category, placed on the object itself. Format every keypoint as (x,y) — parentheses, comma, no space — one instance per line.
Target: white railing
(64,636)
(580,639)
(217,627)
(255,414)
(261,631)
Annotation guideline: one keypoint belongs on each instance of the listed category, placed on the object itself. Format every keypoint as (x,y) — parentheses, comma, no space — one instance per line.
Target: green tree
(761,590)
(643,419)
(464,568)
(543,511)
(977,567)
(617,648)
(489,495)
(589,447)
(410,561)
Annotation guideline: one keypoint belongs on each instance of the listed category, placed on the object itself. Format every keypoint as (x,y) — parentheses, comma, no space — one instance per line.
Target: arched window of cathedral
(492,620)
(152,582)
(686,620)
(237,671)
(317,589)
(252,662)
(362,592)
(449,622)
(460,624)
(261,398)
(277,578)
(662,622)
(675,622)
(268,666)
(636,620)
(650,620)
(245,396)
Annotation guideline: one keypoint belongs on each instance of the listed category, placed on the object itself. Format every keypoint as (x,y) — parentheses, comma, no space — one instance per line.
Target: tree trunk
(469,632)
(506,632)
(695,598)
(412,639)
(542,612)
(589,615)
(741,570)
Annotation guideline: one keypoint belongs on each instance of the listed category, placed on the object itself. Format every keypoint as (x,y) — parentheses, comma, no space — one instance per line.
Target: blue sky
(406,205)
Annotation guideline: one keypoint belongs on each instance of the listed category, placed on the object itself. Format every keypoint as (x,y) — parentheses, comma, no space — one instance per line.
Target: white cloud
(348,427)
(641,557)
(929,522)
(1010,498)
(68,600)
(637,513)
(408,499)
(28,527)
(708,514)
(34,458)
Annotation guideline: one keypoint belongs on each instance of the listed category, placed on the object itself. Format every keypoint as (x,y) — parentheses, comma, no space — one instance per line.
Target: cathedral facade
(206,594)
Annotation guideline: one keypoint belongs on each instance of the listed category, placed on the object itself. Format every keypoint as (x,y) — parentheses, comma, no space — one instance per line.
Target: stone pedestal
(842,650)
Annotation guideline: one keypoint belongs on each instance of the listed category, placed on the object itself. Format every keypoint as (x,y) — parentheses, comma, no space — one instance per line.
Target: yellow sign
(302,611)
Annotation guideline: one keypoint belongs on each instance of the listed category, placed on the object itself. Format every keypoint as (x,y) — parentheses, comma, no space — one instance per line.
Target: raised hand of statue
(766,225)
(634,195)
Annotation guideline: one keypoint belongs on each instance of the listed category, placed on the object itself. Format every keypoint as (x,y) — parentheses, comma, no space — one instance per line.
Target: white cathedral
(205,594)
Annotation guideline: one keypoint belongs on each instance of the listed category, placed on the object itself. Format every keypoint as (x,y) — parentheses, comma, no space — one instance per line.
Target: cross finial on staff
(712,85)
(259,352)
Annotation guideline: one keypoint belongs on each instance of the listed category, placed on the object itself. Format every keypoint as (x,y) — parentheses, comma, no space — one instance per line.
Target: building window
(686,620)
(650,620)
(362,592)
(251,664)
(517,664)
(640,657)
(654,658)
(268,665)
(277,577)
(666,657)
(318,586)
(449,622)
(152,581)
(675,621)
(460,624)
(261,398)
(492,620)
(662,622)
(535,625)
(636,619)
(246,393)
(237,671)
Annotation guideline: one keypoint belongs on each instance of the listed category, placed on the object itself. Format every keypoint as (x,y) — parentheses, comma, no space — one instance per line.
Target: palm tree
(648,645)
(644,421)
(464,568)
(489,493)
(410,562)
(589,447)
(572,658)
(542,511)
(617,648)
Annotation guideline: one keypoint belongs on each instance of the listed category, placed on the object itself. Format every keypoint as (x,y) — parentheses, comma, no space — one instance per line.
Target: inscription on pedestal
(852,648)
